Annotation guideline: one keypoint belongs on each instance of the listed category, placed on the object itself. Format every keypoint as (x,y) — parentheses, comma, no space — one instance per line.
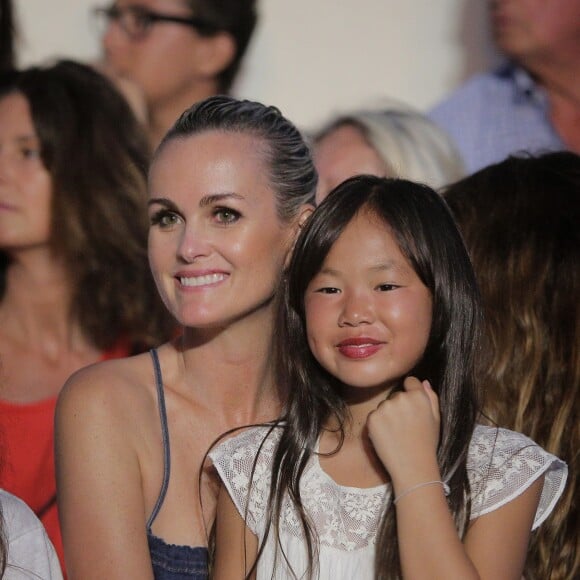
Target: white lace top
(501,465)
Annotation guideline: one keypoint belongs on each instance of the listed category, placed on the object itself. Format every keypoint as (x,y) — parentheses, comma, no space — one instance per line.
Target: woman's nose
(193,245)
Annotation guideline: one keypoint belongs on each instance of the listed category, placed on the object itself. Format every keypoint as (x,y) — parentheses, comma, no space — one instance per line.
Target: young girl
(378,468)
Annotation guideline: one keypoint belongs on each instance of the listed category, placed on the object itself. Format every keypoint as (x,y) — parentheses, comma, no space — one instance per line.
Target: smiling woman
(230,186)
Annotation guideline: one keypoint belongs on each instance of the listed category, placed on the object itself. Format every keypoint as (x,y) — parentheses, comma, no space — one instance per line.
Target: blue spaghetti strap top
(171,562)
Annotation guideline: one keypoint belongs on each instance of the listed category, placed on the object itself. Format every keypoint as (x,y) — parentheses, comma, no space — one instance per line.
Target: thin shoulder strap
(164,435)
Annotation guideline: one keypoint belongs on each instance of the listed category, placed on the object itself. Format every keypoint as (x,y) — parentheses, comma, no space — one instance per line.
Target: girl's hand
(404,431)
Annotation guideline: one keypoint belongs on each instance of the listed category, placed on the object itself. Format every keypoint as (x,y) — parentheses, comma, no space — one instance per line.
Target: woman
(520,222)
(175,52)
(75,286)
(229,186)
(394,141)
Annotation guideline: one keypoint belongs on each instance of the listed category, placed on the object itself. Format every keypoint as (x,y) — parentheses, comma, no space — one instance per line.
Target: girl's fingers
(433,398)
(412,384)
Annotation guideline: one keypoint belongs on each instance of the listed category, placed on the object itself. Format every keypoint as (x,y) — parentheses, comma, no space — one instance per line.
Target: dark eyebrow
(381,267)
(24,139)
(162,201)
(217,197)
(203,202)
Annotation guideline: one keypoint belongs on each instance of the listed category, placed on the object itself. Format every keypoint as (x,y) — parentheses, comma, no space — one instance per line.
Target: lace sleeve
(502,464)
(247,479)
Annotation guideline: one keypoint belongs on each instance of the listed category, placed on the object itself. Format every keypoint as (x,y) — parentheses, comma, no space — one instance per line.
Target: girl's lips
(360,347)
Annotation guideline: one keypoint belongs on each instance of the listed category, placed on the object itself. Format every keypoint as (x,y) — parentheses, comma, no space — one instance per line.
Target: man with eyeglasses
(175,52)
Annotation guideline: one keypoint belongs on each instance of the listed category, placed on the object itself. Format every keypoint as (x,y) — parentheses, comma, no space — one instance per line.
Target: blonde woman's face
(344,153)
(25,183)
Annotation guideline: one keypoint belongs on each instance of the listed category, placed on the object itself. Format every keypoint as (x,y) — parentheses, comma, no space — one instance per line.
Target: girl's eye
(328,290)
(164,218)
(226,215)
(386,287)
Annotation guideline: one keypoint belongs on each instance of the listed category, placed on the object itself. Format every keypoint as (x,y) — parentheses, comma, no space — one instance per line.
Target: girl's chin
(363,392)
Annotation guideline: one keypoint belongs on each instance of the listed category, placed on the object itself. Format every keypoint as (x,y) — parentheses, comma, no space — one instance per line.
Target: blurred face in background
(159,57)
(535,29)
(343,153)
(25,183)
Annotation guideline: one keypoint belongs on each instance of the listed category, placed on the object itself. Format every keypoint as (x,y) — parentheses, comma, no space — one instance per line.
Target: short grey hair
(410,145)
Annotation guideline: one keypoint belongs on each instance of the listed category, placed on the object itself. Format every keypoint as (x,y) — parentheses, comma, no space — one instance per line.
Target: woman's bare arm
(100,494)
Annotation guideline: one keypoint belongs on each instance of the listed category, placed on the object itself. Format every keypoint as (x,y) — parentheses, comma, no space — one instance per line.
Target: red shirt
(27,450)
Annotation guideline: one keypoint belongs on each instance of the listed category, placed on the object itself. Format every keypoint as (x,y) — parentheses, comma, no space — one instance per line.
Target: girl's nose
(357,309)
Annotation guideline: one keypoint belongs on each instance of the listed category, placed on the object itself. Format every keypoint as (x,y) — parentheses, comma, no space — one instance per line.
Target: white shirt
(501,465)
(31,556)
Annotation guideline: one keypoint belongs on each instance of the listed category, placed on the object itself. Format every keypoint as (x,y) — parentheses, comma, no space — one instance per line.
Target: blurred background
(313,58)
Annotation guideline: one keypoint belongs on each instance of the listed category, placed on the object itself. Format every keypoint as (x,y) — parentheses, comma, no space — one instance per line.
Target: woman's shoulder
(113,379)
(113,397)
(502,464)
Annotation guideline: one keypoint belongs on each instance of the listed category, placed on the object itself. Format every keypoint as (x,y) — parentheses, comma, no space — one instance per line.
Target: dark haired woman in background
(75,285)
(520,220)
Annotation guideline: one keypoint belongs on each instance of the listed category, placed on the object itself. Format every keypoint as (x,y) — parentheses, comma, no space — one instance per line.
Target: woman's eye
(30,153)
(164,219)
(226,215)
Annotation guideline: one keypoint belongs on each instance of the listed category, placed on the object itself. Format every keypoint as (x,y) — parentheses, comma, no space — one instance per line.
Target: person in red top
(75,285)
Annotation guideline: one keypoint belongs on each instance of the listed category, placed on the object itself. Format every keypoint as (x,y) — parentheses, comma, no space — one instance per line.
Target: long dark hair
(97,155)
(520,220)
(428,237)
(7,35)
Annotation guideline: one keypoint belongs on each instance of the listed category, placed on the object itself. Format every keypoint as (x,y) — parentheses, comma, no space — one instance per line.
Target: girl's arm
(404,431)
(100,496)
(494,547)
(236,546)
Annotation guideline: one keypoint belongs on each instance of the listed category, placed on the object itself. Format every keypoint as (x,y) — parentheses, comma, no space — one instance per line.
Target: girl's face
(25,183)
(163,61)
(368,315)
(216,244)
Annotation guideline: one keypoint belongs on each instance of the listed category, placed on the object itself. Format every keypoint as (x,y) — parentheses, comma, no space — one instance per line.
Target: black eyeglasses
(137,20)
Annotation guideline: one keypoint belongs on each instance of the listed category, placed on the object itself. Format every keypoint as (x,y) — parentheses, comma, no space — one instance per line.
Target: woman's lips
(359,347)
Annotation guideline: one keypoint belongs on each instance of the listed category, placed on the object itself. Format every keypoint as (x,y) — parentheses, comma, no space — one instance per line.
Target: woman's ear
(298,223)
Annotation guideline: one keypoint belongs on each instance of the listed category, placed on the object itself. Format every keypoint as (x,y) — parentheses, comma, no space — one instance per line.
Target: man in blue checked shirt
(532,101)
